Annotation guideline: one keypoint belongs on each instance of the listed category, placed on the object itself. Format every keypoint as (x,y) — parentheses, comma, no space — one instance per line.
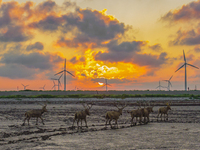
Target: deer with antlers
(81,115)
(164,110)
(135,114)
(146,111)
(37,113)
(110,115)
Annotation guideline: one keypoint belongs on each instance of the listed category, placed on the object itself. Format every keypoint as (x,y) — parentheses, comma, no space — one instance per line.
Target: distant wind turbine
(43,87)
(185,64)
(159,86)
(59,84)
(106,84)
(169,83)
(25,86)
(64,74)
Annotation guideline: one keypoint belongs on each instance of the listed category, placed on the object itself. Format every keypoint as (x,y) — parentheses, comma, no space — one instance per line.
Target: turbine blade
(170,77)
(53,79)
(192,66)
(58,72)
(184,56)
(180,67)
(70,73)
(166,80)
(60,76)
(170,84)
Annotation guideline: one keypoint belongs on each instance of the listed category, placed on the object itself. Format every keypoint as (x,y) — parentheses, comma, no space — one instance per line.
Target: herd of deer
(110,115)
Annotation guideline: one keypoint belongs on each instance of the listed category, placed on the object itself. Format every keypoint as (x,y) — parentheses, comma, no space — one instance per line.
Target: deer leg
(28,120)
(74,121)
(136,120)
(106,122)
(116,123)
(42,120)
(132,121)
(81,123)
(140,120)
(78,123)
(147,118)
(161,117)
(110,123)
(166,116)
(86,122)
(37,121)
(24,121)
(158,116)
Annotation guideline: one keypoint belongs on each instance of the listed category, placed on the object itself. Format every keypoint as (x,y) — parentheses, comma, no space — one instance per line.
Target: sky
(133,44)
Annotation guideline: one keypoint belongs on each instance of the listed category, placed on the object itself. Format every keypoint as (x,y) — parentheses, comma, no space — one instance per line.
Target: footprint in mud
(13,126)
(45,137)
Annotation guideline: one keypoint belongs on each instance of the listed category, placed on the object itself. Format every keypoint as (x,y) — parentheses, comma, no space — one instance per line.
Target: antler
(84,106)
(121,105)
(39,104)
(125,104)
(116,105)
(45,104)
(90,105)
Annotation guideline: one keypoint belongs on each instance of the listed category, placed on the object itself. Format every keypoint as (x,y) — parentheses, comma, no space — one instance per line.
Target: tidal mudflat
(181,131)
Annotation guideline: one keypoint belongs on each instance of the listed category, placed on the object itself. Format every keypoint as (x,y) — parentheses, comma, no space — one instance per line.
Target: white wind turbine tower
(25,86)
(65,71)
(169,83)
(159,86)
(58,81)
(185,64)
(106,84)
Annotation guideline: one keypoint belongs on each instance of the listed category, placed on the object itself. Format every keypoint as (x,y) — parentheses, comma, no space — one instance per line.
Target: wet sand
(181,131)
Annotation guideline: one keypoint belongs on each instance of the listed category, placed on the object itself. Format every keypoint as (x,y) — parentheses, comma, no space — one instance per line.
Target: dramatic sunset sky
(133,44)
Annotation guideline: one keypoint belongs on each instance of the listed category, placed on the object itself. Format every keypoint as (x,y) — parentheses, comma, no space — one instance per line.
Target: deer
(135,114)
(81,115)
(110,115)
(146,111)
(35,113)
(164,110)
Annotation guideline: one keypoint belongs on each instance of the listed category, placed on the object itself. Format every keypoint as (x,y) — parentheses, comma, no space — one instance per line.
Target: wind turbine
(65,71)
(159,86)
(54,86)
(58,81)
(185,64)
(25,86)
(43,87)
(106,84)
(169,83)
